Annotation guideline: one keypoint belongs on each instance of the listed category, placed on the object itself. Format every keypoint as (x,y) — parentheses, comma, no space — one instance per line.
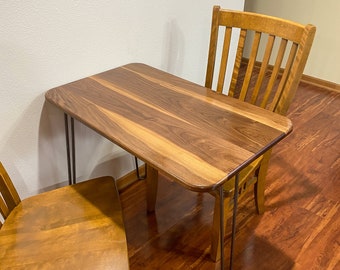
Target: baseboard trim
(320,83)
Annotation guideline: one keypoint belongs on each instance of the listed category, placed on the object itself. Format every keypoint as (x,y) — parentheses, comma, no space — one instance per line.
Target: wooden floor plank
(300,228)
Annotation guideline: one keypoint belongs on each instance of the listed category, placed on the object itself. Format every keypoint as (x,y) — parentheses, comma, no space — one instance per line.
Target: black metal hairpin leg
(69,170)
(71,163)
(73,151)
(139,177)
(233,232)
(221,194)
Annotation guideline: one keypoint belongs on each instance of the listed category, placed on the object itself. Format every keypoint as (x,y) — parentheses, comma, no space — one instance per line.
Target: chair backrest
(273,64)
(9,197)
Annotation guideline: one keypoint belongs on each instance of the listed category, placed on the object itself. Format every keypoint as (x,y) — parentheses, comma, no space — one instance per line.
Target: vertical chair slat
(264,66)
(284,78)
(275,72)
(212,49)
(224,59)
(238,60)
(10,197)
(3,208)
(303,50)
(250,68)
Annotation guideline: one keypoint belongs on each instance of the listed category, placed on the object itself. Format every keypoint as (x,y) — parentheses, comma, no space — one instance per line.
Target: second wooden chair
(74,227)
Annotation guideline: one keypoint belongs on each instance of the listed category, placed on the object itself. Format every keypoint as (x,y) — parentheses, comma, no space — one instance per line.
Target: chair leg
(151,187)
(260,184)
(215,251)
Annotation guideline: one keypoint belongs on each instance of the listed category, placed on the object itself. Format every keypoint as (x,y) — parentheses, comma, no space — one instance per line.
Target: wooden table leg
(151,187)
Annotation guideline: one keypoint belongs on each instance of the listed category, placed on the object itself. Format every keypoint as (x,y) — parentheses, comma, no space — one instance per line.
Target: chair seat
(74,227)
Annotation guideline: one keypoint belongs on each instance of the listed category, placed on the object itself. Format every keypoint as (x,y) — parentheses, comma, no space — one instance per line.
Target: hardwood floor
(300,228)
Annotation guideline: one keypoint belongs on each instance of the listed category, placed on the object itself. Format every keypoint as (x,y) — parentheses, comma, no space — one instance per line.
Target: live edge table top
(196,136)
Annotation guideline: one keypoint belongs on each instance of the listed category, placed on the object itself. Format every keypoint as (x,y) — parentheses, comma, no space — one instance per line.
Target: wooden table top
(196,136)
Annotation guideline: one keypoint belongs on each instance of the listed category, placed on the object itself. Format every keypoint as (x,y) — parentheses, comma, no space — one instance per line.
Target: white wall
(44,44)
(324,59)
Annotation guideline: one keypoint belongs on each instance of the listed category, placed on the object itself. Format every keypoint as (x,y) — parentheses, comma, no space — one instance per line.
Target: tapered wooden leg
(260,184)
(151,188)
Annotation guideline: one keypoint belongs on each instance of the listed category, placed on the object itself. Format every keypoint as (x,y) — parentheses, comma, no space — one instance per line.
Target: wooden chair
(73,227)
(273,53)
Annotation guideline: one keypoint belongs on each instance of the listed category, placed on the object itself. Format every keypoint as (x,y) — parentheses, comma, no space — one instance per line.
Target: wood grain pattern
(300,228)
(194,135)
(74,227)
